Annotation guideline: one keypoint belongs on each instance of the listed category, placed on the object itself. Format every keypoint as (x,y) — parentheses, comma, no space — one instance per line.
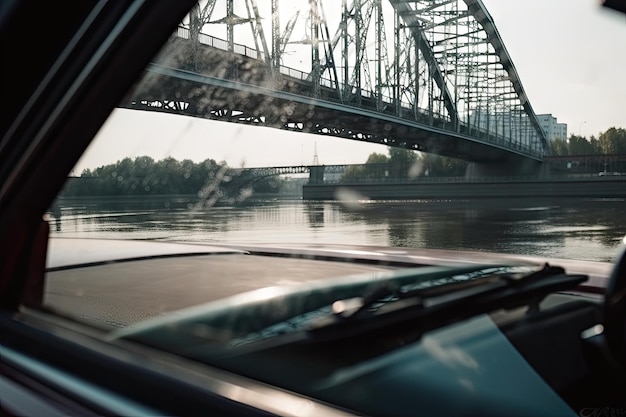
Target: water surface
(574,229)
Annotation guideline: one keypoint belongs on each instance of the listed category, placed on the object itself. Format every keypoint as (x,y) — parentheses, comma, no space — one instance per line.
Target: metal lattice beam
(435,63)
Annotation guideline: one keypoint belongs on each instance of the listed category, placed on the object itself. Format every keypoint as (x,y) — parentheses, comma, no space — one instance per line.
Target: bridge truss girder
(438,62)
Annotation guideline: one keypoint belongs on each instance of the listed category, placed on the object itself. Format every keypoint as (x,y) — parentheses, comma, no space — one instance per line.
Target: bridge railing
(203,38)
(244,50)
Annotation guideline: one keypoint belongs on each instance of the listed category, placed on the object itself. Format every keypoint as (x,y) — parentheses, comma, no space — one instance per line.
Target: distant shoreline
(180,198)
(602,187)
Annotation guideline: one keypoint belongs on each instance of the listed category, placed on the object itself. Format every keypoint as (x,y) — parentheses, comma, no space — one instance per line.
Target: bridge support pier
(316,174)
(507,168)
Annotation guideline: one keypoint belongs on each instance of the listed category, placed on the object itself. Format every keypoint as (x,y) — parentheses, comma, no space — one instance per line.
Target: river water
(574,229)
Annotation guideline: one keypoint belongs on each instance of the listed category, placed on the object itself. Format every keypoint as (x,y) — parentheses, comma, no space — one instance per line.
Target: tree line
(404,164)
(145,176)
(610,142)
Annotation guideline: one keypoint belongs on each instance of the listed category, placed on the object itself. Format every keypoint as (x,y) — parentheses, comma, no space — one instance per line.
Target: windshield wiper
(391,291)
(422,310)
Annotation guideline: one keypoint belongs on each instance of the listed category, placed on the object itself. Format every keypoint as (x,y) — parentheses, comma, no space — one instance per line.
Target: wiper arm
(351,308)
(430,308)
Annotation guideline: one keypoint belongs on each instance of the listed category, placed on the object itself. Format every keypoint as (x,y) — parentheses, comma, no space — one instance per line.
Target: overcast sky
(570,55)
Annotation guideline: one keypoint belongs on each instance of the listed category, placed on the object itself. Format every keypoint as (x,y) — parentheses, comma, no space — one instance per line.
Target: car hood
(231,291)
(120,283)
(77,252)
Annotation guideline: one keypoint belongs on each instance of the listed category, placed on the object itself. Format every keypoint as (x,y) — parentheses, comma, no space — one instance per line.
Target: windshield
(327,123)
(364,128)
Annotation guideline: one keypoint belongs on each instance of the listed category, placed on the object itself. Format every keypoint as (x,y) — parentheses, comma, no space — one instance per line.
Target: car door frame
(90,57)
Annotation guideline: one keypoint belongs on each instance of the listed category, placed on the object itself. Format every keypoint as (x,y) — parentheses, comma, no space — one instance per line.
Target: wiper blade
(430,308)
(392,291)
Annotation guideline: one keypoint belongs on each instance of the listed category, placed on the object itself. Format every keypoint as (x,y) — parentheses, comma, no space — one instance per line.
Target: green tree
(376,167)
(578,145)
(613,141)
(353,173)
(144,176)
(402,163)
(595,145)
(441,166)
(558,147)
(377,158)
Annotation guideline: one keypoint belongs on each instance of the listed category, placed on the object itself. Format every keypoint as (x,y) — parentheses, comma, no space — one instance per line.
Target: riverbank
(171,198)
(599,187)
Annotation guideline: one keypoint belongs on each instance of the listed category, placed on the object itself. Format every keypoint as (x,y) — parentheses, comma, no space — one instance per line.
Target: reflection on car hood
(85,275)
(117,283)
(71,252)
(68,252)
(598,272)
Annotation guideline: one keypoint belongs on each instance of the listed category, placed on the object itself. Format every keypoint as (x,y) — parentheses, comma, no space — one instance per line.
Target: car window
(326,124)
(306,205)
(359,128)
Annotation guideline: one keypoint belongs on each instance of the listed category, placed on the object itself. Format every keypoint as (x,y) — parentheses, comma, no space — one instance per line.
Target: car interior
(58,91)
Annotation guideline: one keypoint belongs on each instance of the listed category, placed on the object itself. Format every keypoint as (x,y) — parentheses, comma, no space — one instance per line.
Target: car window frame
(90,75)
(83,83)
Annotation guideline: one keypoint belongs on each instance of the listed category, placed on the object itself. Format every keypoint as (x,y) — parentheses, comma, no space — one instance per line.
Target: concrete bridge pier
(316,174)
(507,168)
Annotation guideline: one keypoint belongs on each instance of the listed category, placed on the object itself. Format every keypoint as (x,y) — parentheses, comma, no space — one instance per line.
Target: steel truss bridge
(427,75)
